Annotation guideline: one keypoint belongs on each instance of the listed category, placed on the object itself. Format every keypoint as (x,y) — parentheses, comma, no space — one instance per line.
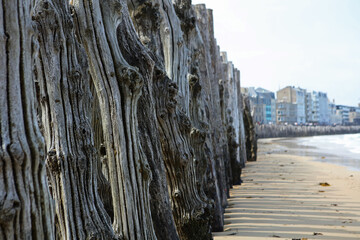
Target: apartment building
(291,105)
(317,108)
(343,112)
(334,119)
(354,116)
(262,104)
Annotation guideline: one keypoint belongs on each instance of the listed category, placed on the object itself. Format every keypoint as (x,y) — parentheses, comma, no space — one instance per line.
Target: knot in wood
(180,43)
(44,13)
(132,79)
(53,162)
(102,150)
(145,40)
(148,14)
(162,113)
(159,74)
(193,79)
(69,23)
(16,152)
(145,172)
(177,193)
(184,122)
(8,209)
(173,89)
(171,105)
(198,135)
(116,6)
(74,75)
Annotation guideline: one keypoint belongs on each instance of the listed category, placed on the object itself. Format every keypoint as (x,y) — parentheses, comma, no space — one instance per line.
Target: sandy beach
(285,196)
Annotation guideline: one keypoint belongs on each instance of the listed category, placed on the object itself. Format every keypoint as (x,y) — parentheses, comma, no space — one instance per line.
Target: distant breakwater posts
(121,120)
(277,131)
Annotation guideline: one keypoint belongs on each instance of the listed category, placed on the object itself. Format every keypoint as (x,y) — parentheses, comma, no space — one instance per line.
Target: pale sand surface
(281,199)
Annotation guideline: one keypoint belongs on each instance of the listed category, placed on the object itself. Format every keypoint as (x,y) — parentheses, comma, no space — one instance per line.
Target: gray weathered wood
(26,210)
(106,31)
(61,72)
(145,127)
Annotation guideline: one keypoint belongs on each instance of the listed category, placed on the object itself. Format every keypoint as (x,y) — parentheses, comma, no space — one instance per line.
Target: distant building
(286,112)
(317,108)
(343,112)
(334,119)
(291,105)
(262,104)
(354,116)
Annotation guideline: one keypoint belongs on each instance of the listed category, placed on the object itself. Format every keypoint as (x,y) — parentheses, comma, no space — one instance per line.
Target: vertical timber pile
(199,104)
(106,30)
(251,138)
(210,85)
(232,119)
(221,152)
(63,82)
(26,210)
(242,136)
(146,21)
(160,30)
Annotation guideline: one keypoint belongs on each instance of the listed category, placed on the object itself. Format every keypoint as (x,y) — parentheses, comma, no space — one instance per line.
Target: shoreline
(281,199)
(319,149)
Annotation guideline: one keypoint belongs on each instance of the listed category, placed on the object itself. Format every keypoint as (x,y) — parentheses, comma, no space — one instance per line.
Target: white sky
(313,44)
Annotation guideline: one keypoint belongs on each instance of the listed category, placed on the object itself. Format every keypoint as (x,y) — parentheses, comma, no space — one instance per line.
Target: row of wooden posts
(118,120)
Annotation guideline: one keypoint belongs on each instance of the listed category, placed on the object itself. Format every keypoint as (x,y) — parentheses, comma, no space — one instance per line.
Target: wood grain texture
(133,108)
(26,210)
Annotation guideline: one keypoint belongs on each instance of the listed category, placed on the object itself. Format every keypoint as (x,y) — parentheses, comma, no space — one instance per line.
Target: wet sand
(281,198)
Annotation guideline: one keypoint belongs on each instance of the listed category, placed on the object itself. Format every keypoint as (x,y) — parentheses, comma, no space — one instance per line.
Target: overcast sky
(314,44)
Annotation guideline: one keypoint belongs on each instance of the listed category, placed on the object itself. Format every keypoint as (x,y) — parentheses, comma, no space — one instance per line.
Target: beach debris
(275,236)
(334,205)
(324,184)
(281,165)
(299,239)
(317,234)
(292,163)
(321,191)
(285,151)
(351,175)
(249,197)
(323,157)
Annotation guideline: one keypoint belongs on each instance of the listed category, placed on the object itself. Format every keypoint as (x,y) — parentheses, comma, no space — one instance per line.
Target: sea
(342,150)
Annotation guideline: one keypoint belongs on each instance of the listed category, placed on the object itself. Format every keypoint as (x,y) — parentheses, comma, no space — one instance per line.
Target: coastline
(326,149)
(281,198)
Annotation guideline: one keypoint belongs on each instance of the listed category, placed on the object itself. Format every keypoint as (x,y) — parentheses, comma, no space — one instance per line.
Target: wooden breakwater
(275,131)
(119,120)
